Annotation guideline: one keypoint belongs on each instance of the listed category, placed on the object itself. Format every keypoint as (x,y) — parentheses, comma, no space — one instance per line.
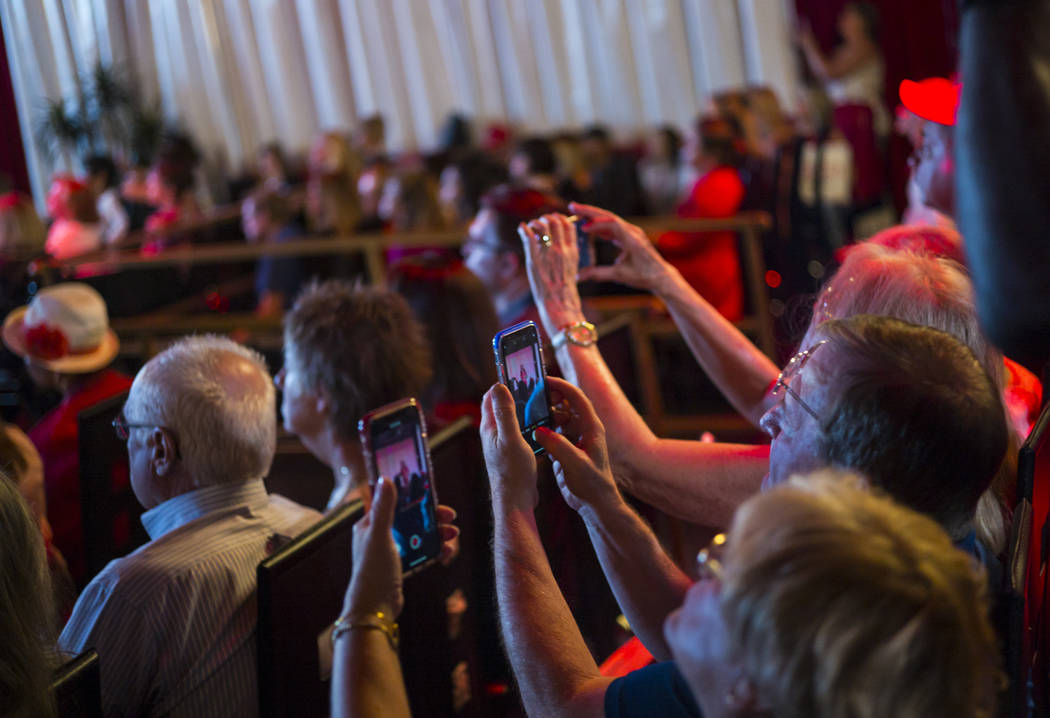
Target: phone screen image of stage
(525,379)
(402,462)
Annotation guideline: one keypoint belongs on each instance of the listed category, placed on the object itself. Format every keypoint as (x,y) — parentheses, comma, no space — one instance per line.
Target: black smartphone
(394,439)
(519,359)
(584,243)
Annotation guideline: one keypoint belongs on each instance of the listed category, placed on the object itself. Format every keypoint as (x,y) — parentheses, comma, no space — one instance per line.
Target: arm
(699,482)
(366,672)
(737,367)
(844,60)
(647,584)
(556,674)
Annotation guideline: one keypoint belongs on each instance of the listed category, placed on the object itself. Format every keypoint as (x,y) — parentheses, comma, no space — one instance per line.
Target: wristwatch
(581,333)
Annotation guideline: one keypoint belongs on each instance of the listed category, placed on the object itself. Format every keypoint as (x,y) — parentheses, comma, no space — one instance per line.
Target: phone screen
(521,369)
(400,457)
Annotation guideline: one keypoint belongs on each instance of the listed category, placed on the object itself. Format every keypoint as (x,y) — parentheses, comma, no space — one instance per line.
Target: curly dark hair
(360,345)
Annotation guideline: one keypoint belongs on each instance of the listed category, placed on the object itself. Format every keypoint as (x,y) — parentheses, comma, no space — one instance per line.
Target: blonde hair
(22,234)
(27,656)
(842,603)
(904,282)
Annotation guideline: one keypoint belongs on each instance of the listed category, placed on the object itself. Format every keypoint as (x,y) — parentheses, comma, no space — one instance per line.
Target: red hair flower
(45,342)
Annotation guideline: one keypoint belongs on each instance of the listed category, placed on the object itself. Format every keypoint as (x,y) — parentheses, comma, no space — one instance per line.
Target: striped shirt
(174,622)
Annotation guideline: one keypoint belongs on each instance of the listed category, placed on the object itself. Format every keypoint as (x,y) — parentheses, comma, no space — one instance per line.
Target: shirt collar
(180,510)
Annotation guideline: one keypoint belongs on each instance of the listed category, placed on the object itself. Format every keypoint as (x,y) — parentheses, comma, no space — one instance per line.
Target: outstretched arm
(737,367)
(556,674)
(696,481)
(647,584)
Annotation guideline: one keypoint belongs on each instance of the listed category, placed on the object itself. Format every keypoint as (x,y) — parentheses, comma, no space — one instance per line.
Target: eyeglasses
(792,370)
(709,560)
(122,427)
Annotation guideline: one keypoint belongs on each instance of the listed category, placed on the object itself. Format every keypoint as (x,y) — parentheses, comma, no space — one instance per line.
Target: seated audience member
(20,461)
(534,165)
(332,206)
(76,228)
(409,203)
(174,621)
(457,314)
(874,280)
(709,261)
(935,101)
(366,672)
(494,253)
(859,622)
(267,218)
(908,407)
(660,171)
(613,174)
(102,178)
(27,618)
(370,138)
(22,237)
(272,168)
(64,337)
(347,350)
(22,234)
(370,186)
(170,186)
(462,184)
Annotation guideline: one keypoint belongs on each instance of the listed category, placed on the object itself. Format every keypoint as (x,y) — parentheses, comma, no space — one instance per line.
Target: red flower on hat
(46,342)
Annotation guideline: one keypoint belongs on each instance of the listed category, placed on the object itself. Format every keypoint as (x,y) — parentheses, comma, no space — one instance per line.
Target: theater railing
(651,329)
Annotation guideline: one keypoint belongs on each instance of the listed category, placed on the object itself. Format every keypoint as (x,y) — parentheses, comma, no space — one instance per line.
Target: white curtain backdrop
(237,73)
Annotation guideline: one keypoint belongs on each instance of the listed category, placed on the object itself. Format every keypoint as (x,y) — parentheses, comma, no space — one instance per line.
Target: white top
(864,86)
(174,622)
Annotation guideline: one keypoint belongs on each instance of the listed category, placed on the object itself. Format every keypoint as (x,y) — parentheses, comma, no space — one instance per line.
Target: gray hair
(222,437)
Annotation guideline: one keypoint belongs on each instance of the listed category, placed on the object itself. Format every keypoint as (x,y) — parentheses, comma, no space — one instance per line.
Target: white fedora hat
(65,329)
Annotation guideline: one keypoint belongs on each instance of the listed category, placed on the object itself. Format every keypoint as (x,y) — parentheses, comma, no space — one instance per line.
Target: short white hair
(221,438)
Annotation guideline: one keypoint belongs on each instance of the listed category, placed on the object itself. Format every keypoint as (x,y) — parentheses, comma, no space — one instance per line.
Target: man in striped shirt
(174,622)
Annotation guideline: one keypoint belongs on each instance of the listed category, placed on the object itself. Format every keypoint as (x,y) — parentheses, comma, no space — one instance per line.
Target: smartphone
(394,439)
(519,359)
(584,243)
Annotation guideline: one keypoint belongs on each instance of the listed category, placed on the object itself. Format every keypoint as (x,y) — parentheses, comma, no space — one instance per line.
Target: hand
(552,269)
(510,462)
(376,583)
(448,532)
(639,264)
(581,458)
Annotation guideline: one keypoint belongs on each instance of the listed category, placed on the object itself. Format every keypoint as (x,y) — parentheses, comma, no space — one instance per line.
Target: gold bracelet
(377,621)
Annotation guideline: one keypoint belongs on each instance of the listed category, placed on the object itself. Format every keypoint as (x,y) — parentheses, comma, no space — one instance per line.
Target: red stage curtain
(12,156)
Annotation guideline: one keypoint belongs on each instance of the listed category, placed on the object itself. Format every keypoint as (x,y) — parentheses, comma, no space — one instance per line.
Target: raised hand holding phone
(519,360)
(394,439)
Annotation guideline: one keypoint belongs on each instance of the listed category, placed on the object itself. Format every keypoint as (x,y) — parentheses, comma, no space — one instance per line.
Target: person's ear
(163,451)
(322,404)
(742,699)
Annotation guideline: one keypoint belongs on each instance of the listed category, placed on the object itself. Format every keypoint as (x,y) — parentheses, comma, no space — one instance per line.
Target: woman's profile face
(299,404)
(851,25)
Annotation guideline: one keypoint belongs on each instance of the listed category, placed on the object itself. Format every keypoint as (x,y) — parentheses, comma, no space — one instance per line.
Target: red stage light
(773,278)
